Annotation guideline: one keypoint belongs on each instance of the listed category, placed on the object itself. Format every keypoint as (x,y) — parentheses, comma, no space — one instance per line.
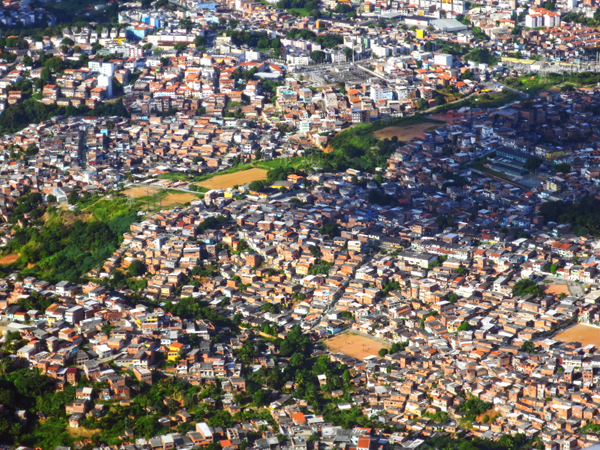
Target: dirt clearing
(137,192)
(166,200)
(179,198)
(81,432)
(354,345)
(9,259)
(584,334)
(233,179)
(405,133)
(557,289)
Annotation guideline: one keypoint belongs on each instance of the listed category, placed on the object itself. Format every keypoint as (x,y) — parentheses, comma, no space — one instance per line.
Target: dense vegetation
(33,393)
(275,174)
(359,149)
(192,308)
(583,215)
(481,56)
(303,369)
(536,83)
(67,13)
(525,287)
(474,407)
(25,390)
(258,39)
(325,40)
(65,246)
(582,18)
(20,115)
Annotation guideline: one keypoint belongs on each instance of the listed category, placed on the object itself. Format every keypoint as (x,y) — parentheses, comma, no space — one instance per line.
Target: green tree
(317,56)
(461,270)
(200,41)
(464,326)
(73,197)
(342,8)
(528,347)
(532,164)
(55,64)
(260,397)
(346,377)
(525,287)
(136,269)
(45,75)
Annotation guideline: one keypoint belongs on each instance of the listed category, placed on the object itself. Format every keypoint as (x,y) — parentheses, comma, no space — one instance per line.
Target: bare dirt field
(138,191)
(171,199)
(557,289)
(490,413)
(584,334)
(177,198)
(233,179)
(9,259)
(354,345)
(405,133)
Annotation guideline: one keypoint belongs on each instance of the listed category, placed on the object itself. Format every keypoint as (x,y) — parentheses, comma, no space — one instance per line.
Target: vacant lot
(9,259)
(81,432)
(166,199)
(138,191)
(354,345)
(557,289)
(584,334)
(405,133)
(234,179)
(173,199)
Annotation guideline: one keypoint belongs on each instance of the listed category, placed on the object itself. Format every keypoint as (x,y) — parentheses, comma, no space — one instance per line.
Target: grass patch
(488,100)
(361,135)
(296,162)
(69,244)
(108,208)
(538,83)
(358,148)
(302,12)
